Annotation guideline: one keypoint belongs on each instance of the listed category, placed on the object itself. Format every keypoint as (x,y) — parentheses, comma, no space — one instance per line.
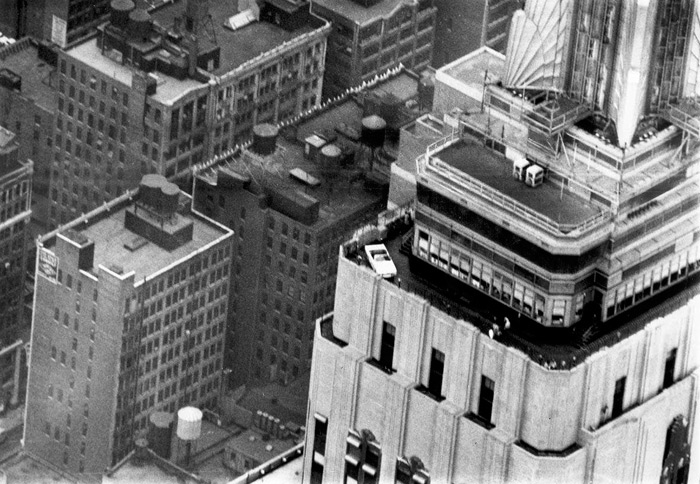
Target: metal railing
(451,177)
(685,119)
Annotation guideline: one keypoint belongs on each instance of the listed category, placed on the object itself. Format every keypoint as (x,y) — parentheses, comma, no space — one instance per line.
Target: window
(618,397)
(486,398)
(386,352)
(669,368)
(411,471)
(437,367)
(320,432)
(362,459)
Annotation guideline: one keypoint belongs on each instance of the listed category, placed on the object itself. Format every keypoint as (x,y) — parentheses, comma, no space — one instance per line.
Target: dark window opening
(618,397)
(670,367)
(437,368)
(486,398)
(386,354)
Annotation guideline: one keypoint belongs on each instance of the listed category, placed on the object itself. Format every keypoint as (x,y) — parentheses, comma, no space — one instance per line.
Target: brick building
(28,108)
(159,91)
(290,211)
(15,197)
(370,37)
(129,316)
(465,25)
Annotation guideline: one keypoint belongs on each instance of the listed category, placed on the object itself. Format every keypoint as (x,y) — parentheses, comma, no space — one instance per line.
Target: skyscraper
(542,324)
(129,317)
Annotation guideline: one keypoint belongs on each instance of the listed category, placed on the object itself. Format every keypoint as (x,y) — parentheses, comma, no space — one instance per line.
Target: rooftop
(340,194)
(552,347)
(241,45)
(22,58)
(286,402)
(106,228)
(362,15)
(472,69)
(404,86)
(24,469)
(547,199)
(251,444)
(110,237)
(150,469)
(169,89)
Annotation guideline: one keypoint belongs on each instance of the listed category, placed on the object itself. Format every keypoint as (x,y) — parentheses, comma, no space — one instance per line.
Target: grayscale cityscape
(349,241)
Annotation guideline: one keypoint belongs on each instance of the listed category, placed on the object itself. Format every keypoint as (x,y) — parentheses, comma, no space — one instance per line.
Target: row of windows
(484,410)
(644,285)
(504,287)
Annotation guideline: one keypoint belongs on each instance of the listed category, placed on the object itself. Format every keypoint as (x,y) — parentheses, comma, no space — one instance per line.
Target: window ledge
(375,363)
(479,420)
(425,391)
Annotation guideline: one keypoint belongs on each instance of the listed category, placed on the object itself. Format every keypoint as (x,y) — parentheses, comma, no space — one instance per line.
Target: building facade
(542,323)
(28,100)
(466,25)
(129,316)
(160,91)
(288,228)
(408,387)
(370,37)
(15,211)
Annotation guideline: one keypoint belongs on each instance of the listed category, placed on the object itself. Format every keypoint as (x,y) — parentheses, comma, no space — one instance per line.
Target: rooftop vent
(136,243)
(300,175)
(241,19)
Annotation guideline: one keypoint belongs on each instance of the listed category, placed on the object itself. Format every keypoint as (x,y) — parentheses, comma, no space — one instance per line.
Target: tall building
(542,325)
(159,91)
(15,196)
(61,21)
(130,308)
(11,22)
(369,37)
(28,108)
(315,184)
(465,25)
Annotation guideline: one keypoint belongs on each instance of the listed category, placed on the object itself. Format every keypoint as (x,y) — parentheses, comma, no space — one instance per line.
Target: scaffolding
(685,115)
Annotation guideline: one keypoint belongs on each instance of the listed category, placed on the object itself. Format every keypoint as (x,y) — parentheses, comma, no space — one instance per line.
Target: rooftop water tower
(189,429)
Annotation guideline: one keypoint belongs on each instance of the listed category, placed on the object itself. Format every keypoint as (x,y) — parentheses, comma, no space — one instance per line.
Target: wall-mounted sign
(59,31)
(48,265)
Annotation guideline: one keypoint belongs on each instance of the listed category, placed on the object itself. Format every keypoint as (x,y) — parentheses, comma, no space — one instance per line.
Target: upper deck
(468,169)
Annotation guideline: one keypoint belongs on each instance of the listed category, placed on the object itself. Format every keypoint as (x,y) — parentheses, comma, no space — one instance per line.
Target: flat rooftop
(339,196)
(474,67)
(553,347)
(106,228)
(110,237)
(289,473)
(22,58)
(362,15)
(241,45)
(168,90)
(251,444)
(350,111)
(547,199)
(24,469)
